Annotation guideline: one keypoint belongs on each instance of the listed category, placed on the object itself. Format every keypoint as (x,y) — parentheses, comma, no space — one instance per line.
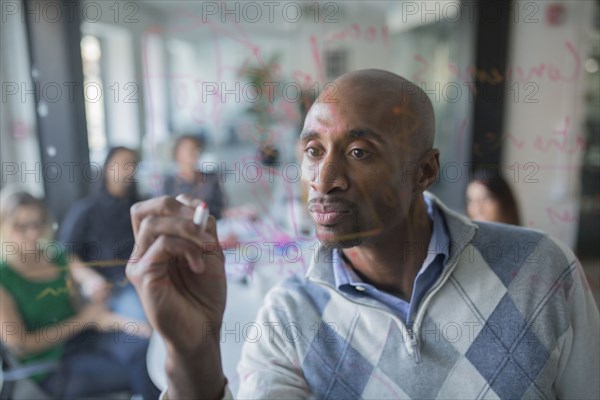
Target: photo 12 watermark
(118,12)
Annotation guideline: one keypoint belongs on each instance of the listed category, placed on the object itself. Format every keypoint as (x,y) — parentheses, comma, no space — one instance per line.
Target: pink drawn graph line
(241,38)
(215,29)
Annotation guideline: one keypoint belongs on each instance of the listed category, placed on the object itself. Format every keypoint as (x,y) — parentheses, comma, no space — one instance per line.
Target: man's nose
(330,176)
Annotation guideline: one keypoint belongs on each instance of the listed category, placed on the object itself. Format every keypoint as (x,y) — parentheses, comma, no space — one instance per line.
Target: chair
(15,382)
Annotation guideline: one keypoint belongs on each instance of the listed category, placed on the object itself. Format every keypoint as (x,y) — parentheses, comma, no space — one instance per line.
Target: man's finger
(162,253)
(164,206)
(188,200)
(151,227)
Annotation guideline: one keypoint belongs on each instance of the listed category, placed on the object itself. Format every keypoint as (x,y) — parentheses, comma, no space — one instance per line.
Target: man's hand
(178,271)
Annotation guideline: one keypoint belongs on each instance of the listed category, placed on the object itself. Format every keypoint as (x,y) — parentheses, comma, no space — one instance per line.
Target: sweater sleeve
(226,396)
(579,361)
(270,367)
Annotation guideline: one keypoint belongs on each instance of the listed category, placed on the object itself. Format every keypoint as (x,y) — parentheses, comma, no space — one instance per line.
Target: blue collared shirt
(437,253)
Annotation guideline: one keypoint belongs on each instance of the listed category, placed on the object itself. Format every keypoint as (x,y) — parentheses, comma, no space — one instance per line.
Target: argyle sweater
(510,317)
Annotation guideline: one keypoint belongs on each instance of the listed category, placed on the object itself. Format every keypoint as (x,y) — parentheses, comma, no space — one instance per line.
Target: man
(405,299)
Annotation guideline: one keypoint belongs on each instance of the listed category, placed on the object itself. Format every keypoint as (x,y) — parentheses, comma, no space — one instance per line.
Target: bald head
(400,106)
(368,158)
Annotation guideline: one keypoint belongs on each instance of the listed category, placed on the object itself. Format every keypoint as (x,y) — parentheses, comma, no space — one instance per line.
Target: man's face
(359,168)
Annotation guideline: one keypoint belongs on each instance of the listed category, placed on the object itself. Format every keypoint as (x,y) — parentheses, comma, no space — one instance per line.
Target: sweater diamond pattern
(507,352)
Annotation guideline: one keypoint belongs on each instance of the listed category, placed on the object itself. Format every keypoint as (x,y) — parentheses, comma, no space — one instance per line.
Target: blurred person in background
(189,180)
(489,199)
(97,350)
(97,230)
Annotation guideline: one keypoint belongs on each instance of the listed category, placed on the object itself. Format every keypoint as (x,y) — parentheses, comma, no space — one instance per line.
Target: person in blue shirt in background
(190,180)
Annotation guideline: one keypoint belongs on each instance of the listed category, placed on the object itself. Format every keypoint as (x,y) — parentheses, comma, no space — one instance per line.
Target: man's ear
(429,168)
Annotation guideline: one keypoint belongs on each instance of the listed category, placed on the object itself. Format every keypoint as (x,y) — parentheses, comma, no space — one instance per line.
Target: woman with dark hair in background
(97,229)
(96,350)
(490,199)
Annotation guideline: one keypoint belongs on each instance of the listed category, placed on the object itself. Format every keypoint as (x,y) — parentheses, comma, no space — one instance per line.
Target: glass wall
(241,75)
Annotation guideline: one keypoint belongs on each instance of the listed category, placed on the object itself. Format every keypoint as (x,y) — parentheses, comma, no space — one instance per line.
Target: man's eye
(312,152)
(359,153)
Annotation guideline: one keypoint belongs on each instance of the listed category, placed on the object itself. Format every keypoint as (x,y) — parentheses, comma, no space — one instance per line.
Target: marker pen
(201,212)
(201,216)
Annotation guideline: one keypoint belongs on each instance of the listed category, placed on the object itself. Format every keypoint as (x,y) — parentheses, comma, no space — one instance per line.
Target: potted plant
(264,78)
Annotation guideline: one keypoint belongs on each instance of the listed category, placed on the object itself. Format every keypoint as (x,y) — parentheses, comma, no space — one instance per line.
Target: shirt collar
(438,244)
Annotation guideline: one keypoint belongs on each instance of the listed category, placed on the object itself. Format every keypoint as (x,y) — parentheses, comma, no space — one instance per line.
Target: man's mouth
(328,214)
(329,218)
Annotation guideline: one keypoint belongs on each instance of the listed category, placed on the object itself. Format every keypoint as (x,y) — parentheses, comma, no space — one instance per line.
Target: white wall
(123,28)
(122,91)
(19,149)
(548,133)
